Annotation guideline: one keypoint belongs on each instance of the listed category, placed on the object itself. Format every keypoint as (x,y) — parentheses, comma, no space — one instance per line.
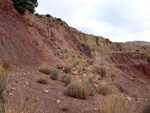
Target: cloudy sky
(118,20)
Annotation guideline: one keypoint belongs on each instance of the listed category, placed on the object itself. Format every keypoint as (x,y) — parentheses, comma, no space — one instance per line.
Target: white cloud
(117,20)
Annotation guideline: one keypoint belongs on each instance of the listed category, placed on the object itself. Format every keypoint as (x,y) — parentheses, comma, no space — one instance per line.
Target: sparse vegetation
(3,82)
(48,15)
(42,80)
(102,72)
(116,104)
(23,106)
(90,87)
(89,111)
(90,62)
(45,69)
(67,69)
(66,79)
(59,19)
(77,89)
(6,66)
(103,89)
(64,107)
(146,108)
(93,49)
(90,80)
(54,74)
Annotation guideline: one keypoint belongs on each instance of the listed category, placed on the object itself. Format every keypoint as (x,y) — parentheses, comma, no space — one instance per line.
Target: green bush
(54,74)
(66,79)
(77,89)
(22,5)
(103,89)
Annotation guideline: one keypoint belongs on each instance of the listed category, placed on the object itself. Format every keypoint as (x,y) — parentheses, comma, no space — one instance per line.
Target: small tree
(21,5)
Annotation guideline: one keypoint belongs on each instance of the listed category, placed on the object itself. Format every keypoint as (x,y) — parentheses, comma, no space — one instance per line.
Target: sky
(118,20)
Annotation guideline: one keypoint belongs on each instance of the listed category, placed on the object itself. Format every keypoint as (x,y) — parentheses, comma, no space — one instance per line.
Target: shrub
(48,15)
(3,83)
(116,104)
(66,79)
(90,88)
(45,69)
(21,5)
(90,80)
(64,107)
(42,80)
(89,111)
(103,89)
(90,62)
(54,74)
(102,72)
(59,19)
(7,66)
(67,69)
(77,89)
(146,108)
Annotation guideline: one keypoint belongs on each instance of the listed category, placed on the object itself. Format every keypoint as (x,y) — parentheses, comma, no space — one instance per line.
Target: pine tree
(21,5)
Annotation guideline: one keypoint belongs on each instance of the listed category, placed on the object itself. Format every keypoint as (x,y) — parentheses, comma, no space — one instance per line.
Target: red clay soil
(28,41)
(23,85)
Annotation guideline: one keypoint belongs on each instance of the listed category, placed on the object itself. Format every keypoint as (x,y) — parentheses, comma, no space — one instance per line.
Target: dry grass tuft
(89,111)
(45,69)
(90,87)
(103,89)
(116,104)
(7,66)
(64,107)
(42,80)
(23,106)
(77,89)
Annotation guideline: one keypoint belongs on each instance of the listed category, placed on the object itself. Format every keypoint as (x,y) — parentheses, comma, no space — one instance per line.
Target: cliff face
(27,39)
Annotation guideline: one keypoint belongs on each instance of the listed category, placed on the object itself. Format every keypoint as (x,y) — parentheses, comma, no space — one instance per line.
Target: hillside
(31,42)
(140,43)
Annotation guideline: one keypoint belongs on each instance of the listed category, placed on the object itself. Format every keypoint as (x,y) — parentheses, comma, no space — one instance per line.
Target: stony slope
(29,41)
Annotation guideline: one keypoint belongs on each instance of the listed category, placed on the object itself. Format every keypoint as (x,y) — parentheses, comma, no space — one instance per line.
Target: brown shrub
(103,89)
(115,104)
(64,107)
(77,89)
(90,88)
(67,69)
(42,80)
(45,69)
(7,66)
(88,111)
